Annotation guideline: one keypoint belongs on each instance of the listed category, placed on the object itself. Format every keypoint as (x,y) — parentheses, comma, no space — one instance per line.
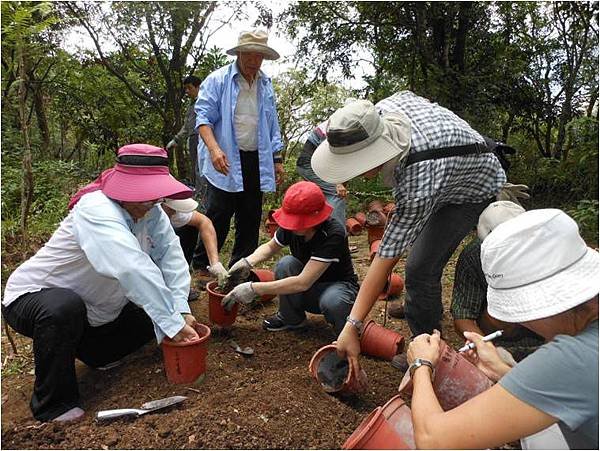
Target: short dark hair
(192,80)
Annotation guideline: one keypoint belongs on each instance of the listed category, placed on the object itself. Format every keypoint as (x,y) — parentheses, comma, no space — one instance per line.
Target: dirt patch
(267,401)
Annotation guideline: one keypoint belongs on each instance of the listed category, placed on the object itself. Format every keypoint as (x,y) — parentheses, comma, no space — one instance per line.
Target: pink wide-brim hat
(141,175)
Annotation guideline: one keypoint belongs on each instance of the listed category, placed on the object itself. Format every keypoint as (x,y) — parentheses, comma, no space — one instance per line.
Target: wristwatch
(358,324)
(419,363)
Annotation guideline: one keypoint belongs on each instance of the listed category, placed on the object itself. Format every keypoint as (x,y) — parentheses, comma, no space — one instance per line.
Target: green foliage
(586,215)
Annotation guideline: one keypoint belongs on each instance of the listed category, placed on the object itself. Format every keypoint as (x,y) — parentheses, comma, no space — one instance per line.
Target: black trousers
(56,320)
(188,238)
(245,206)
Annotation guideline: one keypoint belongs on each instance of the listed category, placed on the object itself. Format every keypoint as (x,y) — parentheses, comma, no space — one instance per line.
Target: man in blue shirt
(236,118)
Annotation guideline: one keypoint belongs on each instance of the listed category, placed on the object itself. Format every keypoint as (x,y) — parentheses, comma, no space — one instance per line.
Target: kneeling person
(317,277)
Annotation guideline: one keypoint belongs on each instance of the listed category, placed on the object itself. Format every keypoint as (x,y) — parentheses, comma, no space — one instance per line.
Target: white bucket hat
(182,205)
(360,139)
(537,266)
(495,214)
(254,41)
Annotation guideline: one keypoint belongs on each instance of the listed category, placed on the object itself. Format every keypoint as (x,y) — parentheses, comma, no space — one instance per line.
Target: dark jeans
(333,300)
(56,320)
(427,258)
(188,237)
(246,206)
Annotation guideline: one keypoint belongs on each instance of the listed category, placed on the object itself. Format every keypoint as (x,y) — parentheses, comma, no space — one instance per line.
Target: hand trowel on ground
(146,408)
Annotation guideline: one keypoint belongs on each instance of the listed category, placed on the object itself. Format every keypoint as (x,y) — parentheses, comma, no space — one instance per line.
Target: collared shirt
(245,119)
(108,259)
(215,107)
(423,188)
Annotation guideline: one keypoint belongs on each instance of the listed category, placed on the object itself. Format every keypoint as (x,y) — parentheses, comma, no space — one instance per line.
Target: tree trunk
(593,100)
(41,116)
(27,183)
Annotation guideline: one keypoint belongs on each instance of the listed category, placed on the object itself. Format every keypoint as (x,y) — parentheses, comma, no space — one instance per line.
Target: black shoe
(275,323)
(396,310)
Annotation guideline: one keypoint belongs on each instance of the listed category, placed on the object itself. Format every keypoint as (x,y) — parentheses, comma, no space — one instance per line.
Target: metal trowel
(146,408)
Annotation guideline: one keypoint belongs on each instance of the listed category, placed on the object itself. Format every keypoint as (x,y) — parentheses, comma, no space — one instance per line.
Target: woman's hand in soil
(242,294)
(425,347)
(485,357)
(348,346)
(186,334)
(218,271)
(190,320)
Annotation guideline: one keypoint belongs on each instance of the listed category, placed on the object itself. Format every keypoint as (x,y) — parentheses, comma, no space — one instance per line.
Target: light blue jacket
(215,106)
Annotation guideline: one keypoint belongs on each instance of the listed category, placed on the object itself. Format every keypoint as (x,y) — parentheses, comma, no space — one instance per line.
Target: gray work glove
(242,294)
(219,271)
(241,270)
(171,143)
(513,193)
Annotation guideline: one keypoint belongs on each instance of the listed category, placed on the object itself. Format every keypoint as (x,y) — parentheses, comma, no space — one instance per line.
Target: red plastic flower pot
(375,233)
(375,433)
(455,379)
(375,205)
(353,226)
(270,223)
(185,362)
(398,415)
(335,375)
(216,313)
(377,341)
(361,218)
(393,287)
(389,207)
(263,275)
(374,247)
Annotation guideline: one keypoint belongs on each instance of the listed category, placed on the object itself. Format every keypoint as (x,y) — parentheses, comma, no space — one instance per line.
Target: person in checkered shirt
(443,176)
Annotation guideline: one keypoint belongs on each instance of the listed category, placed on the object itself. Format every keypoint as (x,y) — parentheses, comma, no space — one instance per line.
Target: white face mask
(387,172)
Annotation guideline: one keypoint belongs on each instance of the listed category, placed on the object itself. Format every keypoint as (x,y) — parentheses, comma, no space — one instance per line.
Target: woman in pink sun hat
(111,277)
(317,277)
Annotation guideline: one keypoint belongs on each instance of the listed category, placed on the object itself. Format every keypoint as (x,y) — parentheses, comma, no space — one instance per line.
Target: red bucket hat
(140,175)
(303,206)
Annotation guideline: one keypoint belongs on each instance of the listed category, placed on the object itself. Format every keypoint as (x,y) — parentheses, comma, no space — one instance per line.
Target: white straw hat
(537,265)
(182,205)
(254,41)
(360,139)
(495,214)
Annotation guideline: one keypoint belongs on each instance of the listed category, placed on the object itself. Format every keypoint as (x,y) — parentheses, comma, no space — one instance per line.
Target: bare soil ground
(268,401)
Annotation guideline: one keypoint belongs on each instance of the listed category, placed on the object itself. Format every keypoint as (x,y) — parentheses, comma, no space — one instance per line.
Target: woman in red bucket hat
(111,277)
(317,277)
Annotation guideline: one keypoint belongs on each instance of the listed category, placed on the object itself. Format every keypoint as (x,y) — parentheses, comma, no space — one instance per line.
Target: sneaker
(275,323)
(396,310)
(73,414)
(193,296)
(400,362)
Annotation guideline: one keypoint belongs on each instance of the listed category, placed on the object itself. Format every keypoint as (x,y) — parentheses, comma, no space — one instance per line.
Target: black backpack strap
(445,152)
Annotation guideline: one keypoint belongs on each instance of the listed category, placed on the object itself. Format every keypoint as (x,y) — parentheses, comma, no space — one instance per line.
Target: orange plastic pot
(455,379)
(353,226)
(375,205)
(361,218)
(375,433)
(377,341)
(393,286)
(398,415)
(375,233)
(263,275)
(270,223)
(376,218)
(325,361)
(185,362)
(216,313)
(373,249)
(387,208)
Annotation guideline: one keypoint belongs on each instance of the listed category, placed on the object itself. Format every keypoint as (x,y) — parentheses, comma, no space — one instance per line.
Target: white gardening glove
(241,270)
(242,294)
(219,271)
(513,193)
(171,143)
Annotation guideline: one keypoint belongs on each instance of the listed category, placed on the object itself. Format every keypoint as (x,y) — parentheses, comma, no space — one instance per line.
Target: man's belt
(446,152)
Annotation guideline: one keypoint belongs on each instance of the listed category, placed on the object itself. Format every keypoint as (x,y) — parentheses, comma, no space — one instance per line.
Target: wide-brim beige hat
(360,139)
(254,41)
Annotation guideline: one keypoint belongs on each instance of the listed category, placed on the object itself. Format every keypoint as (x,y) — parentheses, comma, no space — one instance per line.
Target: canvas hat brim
(143,183)
(341,167)
(182,205)
(267,52)
(550,296)
(290,221)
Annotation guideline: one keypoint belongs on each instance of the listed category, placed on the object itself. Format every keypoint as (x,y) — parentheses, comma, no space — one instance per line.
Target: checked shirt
(423,188)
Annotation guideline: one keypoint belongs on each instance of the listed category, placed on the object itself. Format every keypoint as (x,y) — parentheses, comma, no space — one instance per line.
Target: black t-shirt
(329,244)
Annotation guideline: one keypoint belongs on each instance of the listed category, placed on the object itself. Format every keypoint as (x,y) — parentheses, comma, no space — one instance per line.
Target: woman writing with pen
(542,275)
